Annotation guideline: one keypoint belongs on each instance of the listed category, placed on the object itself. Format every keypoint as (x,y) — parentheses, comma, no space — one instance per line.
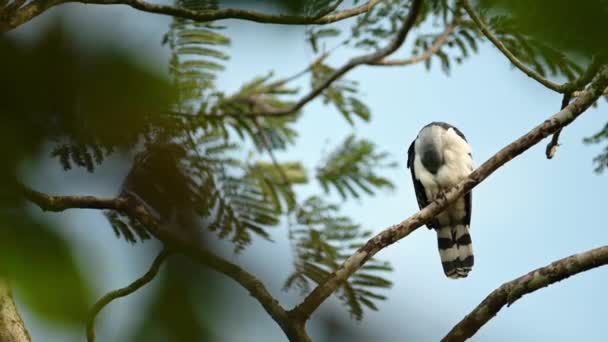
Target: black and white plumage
(439,158)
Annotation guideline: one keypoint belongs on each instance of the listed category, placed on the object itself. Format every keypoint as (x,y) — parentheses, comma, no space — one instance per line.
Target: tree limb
(122,292)
(510,292)
(12,328)
(396,232)
(9,21)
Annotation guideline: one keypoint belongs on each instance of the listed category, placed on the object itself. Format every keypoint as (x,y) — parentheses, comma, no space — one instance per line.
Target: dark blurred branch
(434,48)
(17,17)
(61,203)
(12,328)
(396,232)
(132,207)
(567,87)
(123,292)
(510,292)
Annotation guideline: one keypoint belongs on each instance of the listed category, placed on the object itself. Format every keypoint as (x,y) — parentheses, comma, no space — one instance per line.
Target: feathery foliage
(601,160)
(351,168)
(229,114)
(197,55)
(343,94)
(324,239)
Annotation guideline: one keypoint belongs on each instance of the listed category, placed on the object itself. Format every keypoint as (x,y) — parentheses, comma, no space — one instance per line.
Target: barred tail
(455,250)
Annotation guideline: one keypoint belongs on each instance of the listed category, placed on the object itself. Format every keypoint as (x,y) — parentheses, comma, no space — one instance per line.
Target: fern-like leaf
(324,240)
(351,168)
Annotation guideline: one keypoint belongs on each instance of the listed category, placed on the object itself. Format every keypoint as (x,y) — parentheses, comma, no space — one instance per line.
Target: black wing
(467,207)
(420,193)
(468,197)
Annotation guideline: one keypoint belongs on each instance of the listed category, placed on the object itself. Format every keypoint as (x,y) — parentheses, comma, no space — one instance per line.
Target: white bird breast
(457,161)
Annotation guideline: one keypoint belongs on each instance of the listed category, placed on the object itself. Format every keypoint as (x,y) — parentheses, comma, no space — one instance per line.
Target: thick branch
(12,328)
(433,49)
(37,7)
(399,231)
(568,87)
(125,291)
(509,292)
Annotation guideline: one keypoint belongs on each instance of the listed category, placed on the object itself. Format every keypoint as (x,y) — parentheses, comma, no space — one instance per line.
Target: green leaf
(42,270)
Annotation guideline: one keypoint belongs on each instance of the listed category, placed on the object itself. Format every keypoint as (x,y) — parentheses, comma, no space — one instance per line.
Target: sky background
(526,215)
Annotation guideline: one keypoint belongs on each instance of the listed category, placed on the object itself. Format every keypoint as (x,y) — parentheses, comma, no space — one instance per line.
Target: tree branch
(132,207)
(125,291)
(510,292)
(396,232)
(436,46)
(567,87)
(12,328)
(12,20)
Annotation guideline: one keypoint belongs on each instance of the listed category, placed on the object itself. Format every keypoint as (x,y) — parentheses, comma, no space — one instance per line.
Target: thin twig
(125,291)
(510,292)
(554,143)
(434,48)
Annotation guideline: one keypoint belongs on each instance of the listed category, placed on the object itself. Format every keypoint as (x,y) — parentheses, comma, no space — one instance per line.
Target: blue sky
(527,214)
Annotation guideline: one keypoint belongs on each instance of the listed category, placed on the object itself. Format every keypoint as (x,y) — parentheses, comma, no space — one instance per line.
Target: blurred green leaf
(573,27)
(89,103)
(183,307)
(42,270)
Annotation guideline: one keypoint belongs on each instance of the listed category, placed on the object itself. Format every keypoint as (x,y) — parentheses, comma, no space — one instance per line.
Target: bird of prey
(439,158)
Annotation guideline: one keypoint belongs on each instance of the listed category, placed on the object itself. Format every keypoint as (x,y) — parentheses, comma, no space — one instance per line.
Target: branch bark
(12,328)
(396,232)
(510,292)
(13,19)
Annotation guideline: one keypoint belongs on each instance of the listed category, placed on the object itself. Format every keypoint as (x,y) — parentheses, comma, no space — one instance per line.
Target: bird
(159,180)
(439,158)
